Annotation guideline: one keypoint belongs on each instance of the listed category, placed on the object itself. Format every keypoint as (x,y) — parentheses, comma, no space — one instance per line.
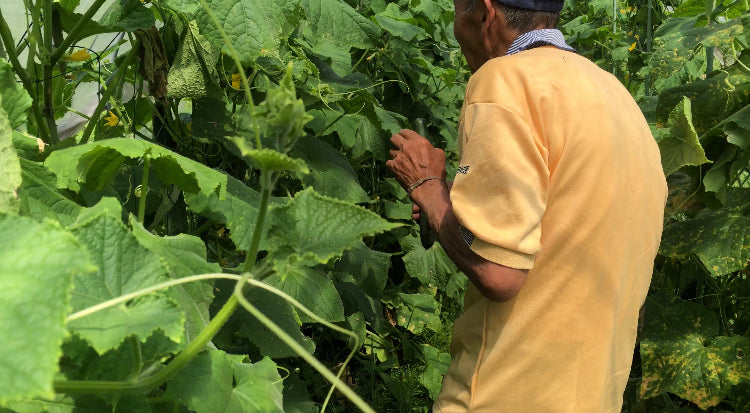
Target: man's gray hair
(523,20)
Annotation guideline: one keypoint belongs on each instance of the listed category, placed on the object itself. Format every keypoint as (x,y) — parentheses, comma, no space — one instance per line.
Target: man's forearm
(495,281)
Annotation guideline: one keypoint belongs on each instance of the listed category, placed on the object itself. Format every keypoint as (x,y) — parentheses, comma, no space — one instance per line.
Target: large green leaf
(15,101)
(281,313)
(737,128)
(258,388)
(400,24)
(296,399)
(430,266)
(205,384)
(360,135)
(318,228)
(672,50)
(185,255)
(714,98)
(39,262)
(333,27)
(97,163)
(80,404)
(121,16)
(255,28)
(80,361)
(311,287)
(331,174)
(10,168)
(719,238)
(193,72)
(268,159)
(681,354)
(368,268)
(125,266)
(40,197)
(680,147)
(237,210)
(417,311)
(436,365)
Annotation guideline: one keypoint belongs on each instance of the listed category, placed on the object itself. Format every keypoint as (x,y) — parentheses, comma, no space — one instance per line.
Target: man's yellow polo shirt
(558,174)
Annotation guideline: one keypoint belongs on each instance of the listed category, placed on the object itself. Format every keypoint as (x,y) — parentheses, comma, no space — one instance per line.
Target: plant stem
(144,188)
(614,31)
(649,43)
(75,31)
(316,318)
(10,48)
(49,109)
(127,297)
(113,85)
(317,135)
(145,383)
(267,183)
(294,345)
(137,357)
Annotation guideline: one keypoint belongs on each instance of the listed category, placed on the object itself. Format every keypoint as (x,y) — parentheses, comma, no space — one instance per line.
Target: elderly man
(555,216)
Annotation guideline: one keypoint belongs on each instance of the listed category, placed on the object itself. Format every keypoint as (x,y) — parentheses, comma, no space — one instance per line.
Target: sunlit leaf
(15,101)
(125,266)
(10,168)
(315,227)
(185,255)
(39,262)
(40,197)
(96,164)
(216,382)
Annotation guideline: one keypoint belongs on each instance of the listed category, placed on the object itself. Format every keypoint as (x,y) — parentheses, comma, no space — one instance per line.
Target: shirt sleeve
(500,190)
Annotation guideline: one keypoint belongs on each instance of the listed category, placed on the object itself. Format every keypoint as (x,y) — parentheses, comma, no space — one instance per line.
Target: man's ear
(490,13)
(490,25)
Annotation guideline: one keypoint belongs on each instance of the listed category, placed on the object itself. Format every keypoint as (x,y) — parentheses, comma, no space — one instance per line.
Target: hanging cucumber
(425,232)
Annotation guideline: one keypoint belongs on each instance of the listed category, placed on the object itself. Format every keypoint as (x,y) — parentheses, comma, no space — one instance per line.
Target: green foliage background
(244,137)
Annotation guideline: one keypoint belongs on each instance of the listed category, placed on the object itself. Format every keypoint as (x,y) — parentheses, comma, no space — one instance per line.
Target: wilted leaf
(681,147)
(687,359)
(193,72)
(719,238)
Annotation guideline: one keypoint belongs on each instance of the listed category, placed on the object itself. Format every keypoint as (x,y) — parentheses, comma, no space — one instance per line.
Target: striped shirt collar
(536,38)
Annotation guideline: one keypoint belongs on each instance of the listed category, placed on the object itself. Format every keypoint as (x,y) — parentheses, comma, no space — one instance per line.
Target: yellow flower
(632,47)
(622,11)
(112,119)
(80,56)
(236,80)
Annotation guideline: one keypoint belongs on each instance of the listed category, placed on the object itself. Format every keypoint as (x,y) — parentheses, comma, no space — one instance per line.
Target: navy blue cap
(554,6)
